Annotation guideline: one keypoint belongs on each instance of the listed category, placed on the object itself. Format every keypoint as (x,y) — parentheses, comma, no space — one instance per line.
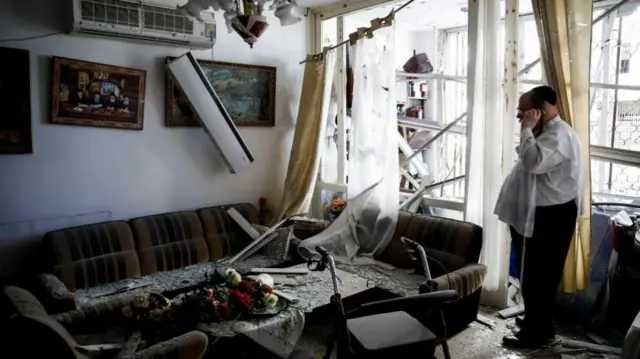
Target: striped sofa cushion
(460,238)
(465,280)
(169,241)
(224,237)
(95,254)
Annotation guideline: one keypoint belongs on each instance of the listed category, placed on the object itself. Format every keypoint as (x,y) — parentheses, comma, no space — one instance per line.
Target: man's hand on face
(531,118)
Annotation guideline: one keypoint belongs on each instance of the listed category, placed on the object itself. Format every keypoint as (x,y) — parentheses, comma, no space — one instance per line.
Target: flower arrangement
(233,298)
(336,207)
(147,307)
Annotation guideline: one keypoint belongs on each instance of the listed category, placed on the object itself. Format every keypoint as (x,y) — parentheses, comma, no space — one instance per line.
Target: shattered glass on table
(279,333)
(399,281)
(161,282)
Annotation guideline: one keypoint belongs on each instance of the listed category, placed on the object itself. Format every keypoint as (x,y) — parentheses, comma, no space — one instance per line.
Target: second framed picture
(91,94)
(248,93)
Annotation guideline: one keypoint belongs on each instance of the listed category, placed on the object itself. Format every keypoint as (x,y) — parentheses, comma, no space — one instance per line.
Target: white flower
(229,271)
(270,300)
(233,277)
(265,279)
(127,311)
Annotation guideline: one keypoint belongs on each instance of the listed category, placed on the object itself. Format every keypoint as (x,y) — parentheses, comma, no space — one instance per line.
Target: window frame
(341,9)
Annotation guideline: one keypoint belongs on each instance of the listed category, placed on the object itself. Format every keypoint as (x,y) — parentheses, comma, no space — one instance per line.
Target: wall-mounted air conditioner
(141,21)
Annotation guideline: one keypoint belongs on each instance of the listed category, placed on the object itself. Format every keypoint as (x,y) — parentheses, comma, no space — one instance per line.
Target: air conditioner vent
(111,12)
(162,19)
(118,12)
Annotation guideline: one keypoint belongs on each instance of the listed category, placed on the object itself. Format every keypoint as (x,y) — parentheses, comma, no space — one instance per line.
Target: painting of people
(247,92)
(15,101)
(91,94)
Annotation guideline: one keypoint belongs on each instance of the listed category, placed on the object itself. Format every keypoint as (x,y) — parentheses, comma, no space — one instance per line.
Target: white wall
(82,175)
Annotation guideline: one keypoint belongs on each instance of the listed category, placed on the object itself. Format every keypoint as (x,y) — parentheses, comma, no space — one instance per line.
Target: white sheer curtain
(485,143)
(367,224)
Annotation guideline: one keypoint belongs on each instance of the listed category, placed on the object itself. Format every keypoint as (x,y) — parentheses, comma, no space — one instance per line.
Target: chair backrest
(441,237)
(33,332)
(169,241)
(91,255)
(224,237)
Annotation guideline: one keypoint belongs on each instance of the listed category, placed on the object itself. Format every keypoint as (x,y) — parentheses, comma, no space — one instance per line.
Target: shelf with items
(412,97)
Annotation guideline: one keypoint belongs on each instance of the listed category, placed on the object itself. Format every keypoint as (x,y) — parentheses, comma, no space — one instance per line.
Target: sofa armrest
(58,297)
(95,316)
(465,280)
(191,345)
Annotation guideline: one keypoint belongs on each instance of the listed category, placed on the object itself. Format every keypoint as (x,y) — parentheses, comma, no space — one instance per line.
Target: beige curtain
(309,133)
(564,27)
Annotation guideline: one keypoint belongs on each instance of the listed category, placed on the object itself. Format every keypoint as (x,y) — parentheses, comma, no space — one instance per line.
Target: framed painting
(15,101)
(247,92)
(91,94)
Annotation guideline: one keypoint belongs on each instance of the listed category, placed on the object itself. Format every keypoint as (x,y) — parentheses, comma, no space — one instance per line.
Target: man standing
(540,200)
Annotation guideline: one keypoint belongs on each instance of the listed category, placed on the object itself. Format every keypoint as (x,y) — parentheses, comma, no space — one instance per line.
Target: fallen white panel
(289,271)
(208,108)
(263,237)
(243,223)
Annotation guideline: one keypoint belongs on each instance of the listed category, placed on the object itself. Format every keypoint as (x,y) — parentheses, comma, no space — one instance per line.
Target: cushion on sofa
(223,235)
(91,255)
(394,253)
(456,237)
(169,241)
(439,262)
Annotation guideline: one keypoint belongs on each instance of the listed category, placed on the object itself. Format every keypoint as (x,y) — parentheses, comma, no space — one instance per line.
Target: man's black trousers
(545,254)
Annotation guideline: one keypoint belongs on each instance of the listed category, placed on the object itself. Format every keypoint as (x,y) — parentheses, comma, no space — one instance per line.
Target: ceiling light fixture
(245,17)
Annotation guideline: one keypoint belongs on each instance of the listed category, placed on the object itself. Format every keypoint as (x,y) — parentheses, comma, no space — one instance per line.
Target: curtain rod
(347,41)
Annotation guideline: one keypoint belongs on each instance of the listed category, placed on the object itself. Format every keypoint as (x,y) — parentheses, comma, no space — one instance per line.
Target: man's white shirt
(549,171)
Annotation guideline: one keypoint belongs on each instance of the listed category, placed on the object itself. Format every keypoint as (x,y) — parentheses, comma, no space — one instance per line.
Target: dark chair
(384,328)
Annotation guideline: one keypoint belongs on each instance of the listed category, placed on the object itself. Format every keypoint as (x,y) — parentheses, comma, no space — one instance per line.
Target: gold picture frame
(92,94)
(248,93)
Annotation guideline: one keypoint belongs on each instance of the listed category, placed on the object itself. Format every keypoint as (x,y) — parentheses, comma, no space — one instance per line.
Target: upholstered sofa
(34,333)
(93,255)
(453,250)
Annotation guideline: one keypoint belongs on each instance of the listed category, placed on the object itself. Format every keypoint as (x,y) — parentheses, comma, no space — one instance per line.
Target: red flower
(243,286)
(252,290)
(269,290)
(263,200)
(242,299)
(209,293)
(224,307)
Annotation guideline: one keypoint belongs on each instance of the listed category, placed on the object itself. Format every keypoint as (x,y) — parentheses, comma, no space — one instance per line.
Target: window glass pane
(629,50)
(627,118)
(610,181)
(530,49)
(327,197)
(329,32)
(627,121)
